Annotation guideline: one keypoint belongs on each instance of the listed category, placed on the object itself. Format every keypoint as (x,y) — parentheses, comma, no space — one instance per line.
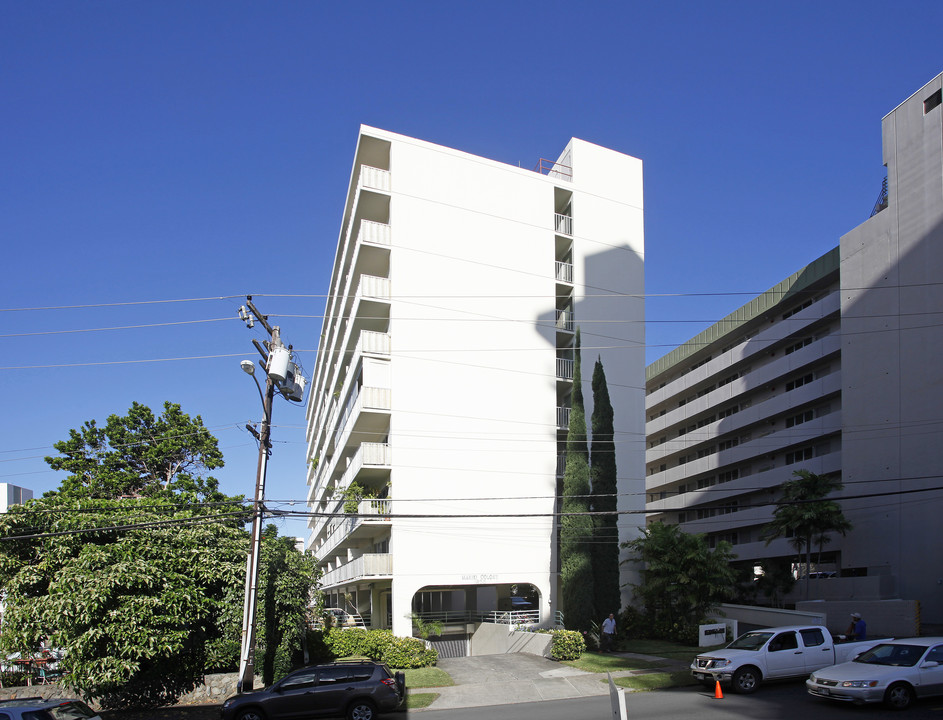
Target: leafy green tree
(605,549)
(576,524)
(804,514)
(140,455)
(130,590)
(135,567)
(286,581)
(683,578)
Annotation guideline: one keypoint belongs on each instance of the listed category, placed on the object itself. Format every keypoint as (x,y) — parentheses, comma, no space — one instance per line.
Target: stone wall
(213,691)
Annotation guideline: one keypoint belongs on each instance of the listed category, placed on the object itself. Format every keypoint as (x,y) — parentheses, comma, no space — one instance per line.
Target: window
(802,417)
(727,412)
(799,345)
(800,455)
(332,675)
(798,308)
(706,421)
(727,380)
(728,476)
(812,637)
(301,680)
(705,483)
(728,444)
(784,641)
(933,101)
(799,382)
(703,453)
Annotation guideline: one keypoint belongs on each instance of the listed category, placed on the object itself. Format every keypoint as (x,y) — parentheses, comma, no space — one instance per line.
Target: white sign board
(711,634)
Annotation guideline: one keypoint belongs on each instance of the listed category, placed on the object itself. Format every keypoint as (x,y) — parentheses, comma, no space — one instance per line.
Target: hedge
(379,645)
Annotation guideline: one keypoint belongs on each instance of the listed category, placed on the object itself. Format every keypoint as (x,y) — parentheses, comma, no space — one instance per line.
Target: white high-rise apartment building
(444,372)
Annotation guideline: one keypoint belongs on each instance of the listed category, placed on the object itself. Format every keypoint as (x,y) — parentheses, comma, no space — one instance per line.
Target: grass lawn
(656,680)
(665,649)
(427,677)
(600,663)
(417,701)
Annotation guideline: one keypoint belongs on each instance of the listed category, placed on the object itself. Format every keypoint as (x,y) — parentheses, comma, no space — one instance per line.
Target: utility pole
(282,373)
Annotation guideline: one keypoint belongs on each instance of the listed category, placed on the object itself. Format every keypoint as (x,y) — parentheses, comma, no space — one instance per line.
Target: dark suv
(37,708)
(358,689)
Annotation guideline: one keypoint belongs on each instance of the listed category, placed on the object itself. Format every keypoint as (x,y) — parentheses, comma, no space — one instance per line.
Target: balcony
(372,515)
(374,232)
(564,272)
(563,418)
(564,369)
(373,178)
(563,224)
(564,320)
(371,565)
(362,402)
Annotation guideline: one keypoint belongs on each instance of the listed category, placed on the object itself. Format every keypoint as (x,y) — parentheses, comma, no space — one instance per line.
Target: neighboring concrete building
(13,495)
(444,372)
(836,369)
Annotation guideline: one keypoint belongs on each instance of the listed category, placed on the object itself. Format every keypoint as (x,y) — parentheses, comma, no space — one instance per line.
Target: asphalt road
(778,701)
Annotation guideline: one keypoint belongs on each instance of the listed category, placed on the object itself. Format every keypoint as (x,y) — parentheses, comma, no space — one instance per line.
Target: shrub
(567,645)
(345,643)
(408,652)
(379,645)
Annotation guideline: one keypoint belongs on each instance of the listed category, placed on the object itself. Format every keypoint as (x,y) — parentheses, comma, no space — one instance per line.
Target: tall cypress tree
(605,549)
(576,525)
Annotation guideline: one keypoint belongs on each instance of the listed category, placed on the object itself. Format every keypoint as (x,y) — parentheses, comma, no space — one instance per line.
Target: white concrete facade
(457,285)
(834,370)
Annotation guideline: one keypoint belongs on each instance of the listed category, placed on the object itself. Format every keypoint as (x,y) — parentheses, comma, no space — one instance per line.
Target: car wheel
(746,680)
(899,696)
(250,714)
(361,710)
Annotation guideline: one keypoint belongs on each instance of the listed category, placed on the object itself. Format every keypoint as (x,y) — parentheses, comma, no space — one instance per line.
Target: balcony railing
(373,287)
(564,272)
(563,224)
(565,320)
(564,369)
(368,565)
(554,169)
(371,510)
(365,398)
(374,232)
(374,178)
(563,417)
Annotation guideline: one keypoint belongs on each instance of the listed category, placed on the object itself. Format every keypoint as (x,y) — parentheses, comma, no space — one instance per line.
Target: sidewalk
(520,677)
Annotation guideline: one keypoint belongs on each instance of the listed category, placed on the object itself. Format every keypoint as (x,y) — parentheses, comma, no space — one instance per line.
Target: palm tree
(803,513)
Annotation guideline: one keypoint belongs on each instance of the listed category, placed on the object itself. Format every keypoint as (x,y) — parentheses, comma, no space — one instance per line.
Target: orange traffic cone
(718,693)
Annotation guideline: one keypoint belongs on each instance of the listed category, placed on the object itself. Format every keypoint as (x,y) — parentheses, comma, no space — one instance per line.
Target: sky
(159,161)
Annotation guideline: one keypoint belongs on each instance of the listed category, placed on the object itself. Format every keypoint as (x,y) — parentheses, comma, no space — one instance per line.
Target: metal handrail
(882,201)
(554,169)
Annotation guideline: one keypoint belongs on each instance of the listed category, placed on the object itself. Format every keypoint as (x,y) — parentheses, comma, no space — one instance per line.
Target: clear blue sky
(175,150)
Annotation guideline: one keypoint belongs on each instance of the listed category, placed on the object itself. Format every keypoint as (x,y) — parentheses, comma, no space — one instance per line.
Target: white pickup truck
(774,653)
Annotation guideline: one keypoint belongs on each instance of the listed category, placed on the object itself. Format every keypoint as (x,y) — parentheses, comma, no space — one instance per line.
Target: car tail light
(389,681)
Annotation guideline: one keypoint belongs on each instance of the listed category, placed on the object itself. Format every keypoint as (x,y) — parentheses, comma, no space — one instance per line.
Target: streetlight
(247,652)
(283,374)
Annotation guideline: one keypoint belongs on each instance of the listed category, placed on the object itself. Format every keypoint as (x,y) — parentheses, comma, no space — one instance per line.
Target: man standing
(608,632)
(858,629)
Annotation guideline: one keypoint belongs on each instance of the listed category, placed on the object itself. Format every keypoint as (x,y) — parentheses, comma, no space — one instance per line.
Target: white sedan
(893,672)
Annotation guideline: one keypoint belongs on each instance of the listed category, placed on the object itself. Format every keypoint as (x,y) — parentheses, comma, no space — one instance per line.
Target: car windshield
(888,654)
(750,641)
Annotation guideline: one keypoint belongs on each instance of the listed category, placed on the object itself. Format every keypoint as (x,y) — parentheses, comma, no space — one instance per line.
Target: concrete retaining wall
(493,639)
(885,618)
